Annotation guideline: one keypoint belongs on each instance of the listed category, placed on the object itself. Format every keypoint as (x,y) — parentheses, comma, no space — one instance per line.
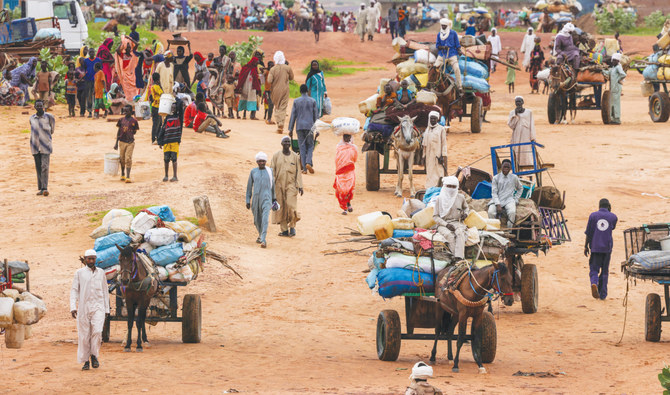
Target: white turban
(285,138)
(567,29)
(421,371)
(433,113)
(90,253)
(261,156)
(445,21)
(494,30)
(447,196)
(616,56)
(518,97)
(279,58)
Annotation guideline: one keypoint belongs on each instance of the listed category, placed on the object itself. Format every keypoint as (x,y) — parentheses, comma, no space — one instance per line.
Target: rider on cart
(448,49)
(565,49)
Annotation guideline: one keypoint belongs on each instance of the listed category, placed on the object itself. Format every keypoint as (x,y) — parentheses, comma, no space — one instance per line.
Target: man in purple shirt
(599,244)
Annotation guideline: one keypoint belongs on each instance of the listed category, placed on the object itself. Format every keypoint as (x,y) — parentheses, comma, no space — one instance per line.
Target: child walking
(156,92)
(99,87)
(71,92)
(44,84)
(169,138)
(125,141)
(229,97)
(511,72)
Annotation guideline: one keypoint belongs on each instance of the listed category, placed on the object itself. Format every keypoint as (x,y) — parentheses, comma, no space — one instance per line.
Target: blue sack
(108,257)
(394,282)
(166,255)
(402,233)
(478,84)
(163,212)
(430,192)
(105,242)
(650,72)
(473,68)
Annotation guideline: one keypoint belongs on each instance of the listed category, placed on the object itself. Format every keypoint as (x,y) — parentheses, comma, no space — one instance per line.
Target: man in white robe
(496,47)
(361,22)
(434,143)
(523,131)
(527,46)
(89,303)
(450,211)
(373,16)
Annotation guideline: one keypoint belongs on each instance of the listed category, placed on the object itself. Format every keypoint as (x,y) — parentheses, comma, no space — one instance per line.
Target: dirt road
(304,322)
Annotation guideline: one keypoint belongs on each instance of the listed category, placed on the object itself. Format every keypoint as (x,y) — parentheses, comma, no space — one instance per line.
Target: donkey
(467,299)
(137,287)
(406,141)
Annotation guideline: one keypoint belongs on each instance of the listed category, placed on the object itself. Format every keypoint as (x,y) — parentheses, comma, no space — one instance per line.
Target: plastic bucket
(112,164)
(665,243)
(143,110)
(165,106)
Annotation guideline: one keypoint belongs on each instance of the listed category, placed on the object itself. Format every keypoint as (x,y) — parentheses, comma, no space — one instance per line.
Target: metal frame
(554,224)
(533,144)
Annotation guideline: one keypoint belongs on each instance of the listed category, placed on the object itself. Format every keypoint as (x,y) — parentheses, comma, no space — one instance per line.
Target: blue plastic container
(482,190)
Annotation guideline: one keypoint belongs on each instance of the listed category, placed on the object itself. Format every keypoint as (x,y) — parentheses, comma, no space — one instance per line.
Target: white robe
(89,296)
(361,22)
(373,17)
(523,131)
(496,45)
(434,143)
(527,48)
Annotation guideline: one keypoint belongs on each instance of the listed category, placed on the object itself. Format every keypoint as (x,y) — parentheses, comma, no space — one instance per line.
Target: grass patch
(331,67)
(192,220)
(513,29)
(293,89)
(97,36)
(97,216)
(25,131)
(642,31)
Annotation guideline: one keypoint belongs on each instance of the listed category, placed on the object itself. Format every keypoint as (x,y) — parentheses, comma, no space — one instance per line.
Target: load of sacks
(160,239)
(19,311)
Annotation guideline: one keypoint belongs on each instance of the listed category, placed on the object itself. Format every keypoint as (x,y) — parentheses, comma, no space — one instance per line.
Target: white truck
(73,28)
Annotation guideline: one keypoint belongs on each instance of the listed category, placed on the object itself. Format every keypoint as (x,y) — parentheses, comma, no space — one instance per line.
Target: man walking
(260,186)
(89,303)
(496,47)
(523,131)
(599,244)
(393,21)
(42,126)
(279,78)
(288,183)
(303,115)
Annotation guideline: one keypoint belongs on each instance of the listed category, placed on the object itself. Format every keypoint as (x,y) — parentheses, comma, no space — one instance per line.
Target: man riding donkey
(567,52)
(448,49)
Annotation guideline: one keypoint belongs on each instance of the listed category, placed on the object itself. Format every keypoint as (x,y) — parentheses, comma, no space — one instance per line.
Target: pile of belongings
(555,6)
(174,249)
(18,312)
(658,63)
(123,11)
(650,262)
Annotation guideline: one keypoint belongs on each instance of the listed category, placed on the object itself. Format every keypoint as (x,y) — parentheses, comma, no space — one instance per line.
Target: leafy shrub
(244,50)
(655,19)
(614,20)
(55,64)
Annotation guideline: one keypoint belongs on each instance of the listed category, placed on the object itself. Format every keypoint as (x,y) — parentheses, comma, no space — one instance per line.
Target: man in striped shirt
(42,126)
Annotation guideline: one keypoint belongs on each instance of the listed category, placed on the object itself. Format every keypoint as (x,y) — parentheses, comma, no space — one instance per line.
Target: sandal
(284,233)
(264,245)
(258,240)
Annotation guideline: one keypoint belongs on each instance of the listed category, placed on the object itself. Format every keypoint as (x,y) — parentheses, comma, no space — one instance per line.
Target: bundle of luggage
(174,249)
(18,312)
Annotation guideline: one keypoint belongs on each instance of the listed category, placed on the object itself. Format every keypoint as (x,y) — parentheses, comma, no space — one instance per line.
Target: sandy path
(304,322)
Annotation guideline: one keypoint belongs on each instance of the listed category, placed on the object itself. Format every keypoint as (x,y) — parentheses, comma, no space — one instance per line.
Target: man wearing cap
(419,386)
(616,75)
(448,49)
(260,186)
(523,131)
(288,183)
(89,303)
(505,193)
(599,244)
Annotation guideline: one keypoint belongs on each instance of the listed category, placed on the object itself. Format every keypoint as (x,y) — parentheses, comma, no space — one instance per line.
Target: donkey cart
(582,95)
(657,92)
(377,146)
(421,311)
(647,239)
(164,308)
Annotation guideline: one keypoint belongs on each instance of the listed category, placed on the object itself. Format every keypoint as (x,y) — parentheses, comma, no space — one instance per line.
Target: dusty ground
(304,322)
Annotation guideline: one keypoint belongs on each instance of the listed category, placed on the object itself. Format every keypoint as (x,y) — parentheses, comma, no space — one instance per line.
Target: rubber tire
(372,170)
(476,115)
(191,323)
(489,337)
(106,330)
(652,318)
(554,112)
(388,335)
(529,289)
(661,100)
(605,112)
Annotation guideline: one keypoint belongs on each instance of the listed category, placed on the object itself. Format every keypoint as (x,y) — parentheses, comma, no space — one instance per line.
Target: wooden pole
(203,212)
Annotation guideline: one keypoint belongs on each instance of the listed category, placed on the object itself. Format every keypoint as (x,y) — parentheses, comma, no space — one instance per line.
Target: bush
(616,20)
(244,50)
(656,19)
(55,64)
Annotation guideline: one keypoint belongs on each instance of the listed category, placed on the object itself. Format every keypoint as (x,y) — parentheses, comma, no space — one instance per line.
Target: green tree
(664,378)
(245,49)
(615,20)
(655,19)
(55,64)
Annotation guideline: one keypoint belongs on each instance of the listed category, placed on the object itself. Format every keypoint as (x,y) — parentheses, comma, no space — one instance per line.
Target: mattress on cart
(650,260)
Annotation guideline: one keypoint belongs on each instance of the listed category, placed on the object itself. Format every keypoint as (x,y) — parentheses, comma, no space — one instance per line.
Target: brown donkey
(467,298)
(137,287)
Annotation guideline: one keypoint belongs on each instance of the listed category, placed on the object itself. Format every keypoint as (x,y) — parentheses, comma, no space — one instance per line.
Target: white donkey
(406,141)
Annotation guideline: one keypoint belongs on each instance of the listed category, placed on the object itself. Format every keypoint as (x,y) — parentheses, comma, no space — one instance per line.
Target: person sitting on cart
(505,192)
(448,49)
(419,386)
(450,211)
(405,96)
(565,49)
(387,99)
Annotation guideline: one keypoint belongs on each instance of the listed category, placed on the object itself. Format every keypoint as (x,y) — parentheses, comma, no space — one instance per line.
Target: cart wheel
(555,108)
(529,288)
(372,170)
(105,330)
(659,107)
(652,318)
(388,335)
(489,338)
(605,110)
(476,115)
(191,319)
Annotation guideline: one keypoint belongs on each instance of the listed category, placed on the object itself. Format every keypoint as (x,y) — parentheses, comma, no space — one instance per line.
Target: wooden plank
(203,213)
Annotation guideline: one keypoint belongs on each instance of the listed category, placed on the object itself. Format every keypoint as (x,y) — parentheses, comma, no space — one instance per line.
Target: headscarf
(262,156)
(105,48)
(90,253)
(429,127)
(518,97)
(567,29)
(279,58)
(616,56)
(421,371)
(447,196)
(250,68)
(530,31)
(168,54)
(444,33)
(312,71)
(494,30)
(113,88)
(82,55)
(198,57)
(285,138)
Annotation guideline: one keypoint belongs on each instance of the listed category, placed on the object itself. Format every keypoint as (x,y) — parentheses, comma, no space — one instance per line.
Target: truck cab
(73,28)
